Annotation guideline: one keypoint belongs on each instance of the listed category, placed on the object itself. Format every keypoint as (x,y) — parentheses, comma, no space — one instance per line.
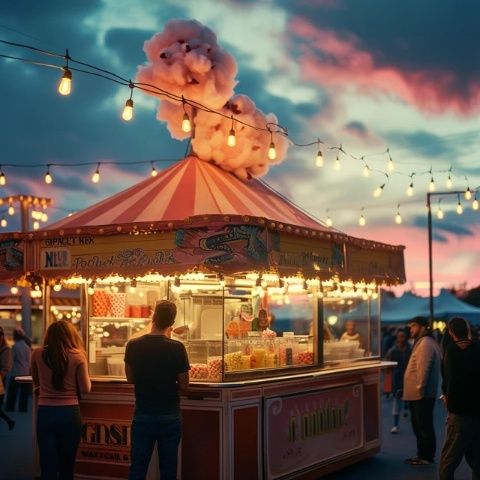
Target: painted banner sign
(295,253)
(11,258)
(304,430)
(229,247)
(105,441)
(376,263)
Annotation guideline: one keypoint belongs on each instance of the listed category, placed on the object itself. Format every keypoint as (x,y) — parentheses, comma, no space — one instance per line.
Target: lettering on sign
(105,441)
(56,258)
(68,241)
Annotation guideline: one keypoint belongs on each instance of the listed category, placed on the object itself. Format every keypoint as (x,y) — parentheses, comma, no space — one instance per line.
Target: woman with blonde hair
(60,374)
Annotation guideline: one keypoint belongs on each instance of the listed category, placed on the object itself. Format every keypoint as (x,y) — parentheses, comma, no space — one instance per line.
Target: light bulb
(468,194)
(154,172)
(378,191)
(362,221)
(431,186)
(366,171)
(449,183)
(3,179)
(329,222)
(127,113)
(186,125)
(391,165)
(475,204)
(57,287)
(96,176)
(44,217)
(337,164)
(14,290)
(440,214)
(231,140)
(65,86)
(398,218)
(272,153)
(319,159)
(410,190)
(459,208)
(48,177)
(36,225)
(3,222)
(11,210)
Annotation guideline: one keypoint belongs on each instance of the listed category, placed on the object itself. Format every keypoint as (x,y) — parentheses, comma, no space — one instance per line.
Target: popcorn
(198,371)
(304,358)
(233,361)
(215,367)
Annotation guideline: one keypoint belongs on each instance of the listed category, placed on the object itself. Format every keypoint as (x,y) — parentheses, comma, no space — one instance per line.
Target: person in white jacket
(420,387)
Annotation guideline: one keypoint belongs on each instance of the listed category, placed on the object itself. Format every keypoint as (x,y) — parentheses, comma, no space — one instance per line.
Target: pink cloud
(337,62)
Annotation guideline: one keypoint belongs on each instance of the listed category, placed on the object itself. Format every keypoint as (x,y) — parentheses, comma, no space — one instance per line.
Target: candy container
(198,371)
(215,367)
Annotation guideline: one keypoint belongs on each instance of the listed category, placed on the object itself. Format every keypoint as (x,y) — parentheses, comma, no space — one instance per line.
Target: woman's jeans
(148,429)
(58,435)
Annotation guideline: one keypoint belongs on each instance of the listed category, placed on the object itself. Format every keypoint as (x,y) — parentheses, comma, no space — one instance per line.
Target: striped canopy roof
(190,188)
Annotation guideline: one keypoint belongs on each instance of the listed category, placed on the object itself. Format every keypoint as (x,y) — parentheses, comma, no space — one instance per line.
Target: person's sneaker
(420,461)
(412,459)
(394,429)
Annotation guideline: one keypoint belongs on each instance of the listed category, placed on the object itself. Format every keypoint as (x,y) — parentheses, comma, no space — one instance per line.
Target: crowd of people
(426,363)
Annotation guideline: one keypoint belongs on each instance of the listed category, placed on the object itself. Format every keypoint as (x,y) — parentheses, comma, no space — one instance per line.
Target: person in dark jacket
(461,394)
(399,353)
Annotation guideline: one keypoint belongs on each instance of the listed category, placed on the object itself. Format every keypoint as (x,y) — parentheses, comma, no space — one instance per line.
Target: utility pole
(430,244)
(26,202)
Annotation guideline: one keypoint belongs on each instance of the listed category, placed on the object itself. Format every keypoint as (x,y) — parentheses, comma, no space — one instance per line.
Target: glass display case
(235,328)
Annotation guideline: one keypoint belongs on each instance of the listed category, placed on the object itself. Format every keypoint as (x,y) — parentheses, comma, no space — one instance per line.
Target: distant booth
(277,400)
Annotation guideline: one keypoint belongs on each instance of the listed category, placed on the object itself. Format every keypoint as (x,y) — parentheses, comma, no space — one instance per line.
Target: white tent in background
(400,310)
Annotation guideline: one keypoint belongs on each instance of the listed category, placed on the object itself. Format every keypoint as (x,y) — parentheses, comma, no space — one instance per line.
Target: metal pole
(430,260)
(26,297)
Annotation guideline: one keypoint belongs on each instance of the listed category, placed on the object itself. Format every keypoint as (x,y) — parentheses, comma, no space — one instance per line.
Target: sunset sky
(367,75)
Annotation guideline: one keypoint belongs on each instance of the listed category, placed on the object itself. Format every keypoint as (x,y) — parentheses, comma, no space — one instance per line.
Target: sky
(369,76)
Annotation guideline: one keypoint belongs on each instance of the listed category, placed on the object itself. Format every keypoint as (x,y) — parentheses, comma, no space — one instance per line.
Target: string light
(96,175)
(127,113)
(398,217)
(459,208)
(36,225)
(329,221)
(319,159)
(390,165)
(154,172)
(440,214)
(431,185)
(231,140)
(366,171)
(44,218)
(11,209)
(65,86)
(3,179)
(449,182)
(48,176)
(272,153)
(475,203)
(337,163)
(14,290)
(468,194)
(378,191)
(186,124)
(3,222)
(410,190)
(361,221)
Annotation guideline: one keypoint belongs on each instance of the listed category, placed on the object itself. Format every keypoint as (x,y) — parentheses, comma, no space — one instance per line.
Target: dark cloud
(449,225)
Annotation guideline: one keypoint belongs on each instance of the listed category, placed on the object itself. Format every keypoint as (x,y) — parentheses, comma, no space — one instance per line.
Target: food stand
(289,400)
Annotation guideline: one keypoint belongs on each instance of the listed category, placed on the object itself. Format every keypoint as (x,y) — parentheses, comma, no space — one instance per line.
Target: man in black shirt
(158,367)
(461,394)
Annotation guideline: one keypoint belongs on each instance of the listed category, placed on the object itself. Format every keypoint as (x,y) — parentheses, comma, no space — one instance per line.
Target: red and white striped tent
(194,215)
(190,188)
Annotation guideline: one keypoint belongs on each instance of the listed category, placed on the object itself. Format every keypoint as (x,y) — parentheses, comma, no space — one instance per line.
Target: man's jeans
(422,423)
(146,430)
(462,438)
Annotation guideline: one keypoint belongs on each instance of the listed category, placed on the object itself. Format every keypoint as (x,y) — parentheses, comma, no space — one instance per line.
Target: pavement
(16,451)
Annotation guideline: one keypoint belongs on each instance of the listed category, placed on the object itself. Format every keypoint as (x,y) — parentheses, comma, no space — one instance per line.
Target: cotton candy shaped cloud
(186,59)
(249,156)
